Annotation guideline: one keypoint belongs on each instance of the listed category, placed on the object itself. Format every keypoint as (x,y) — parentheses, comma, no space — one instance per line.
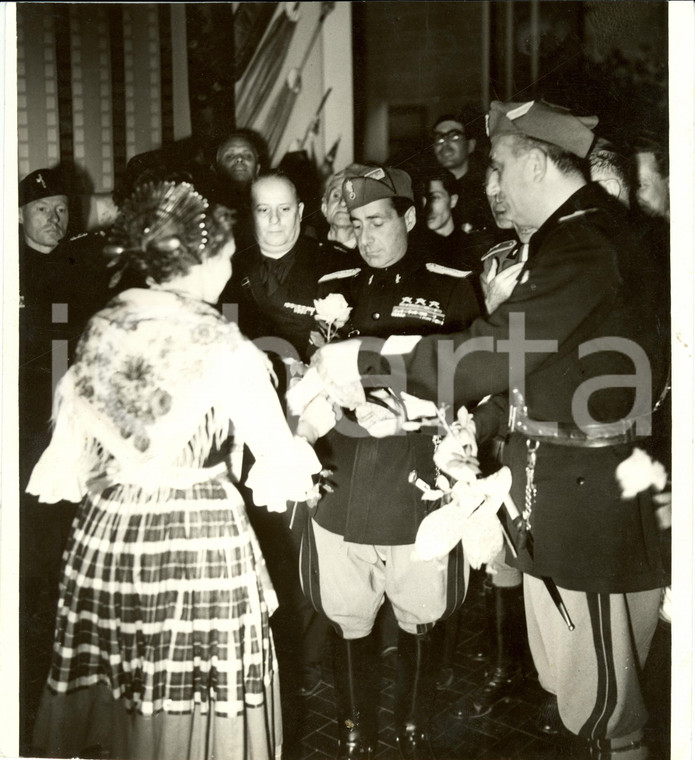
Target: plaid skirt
(164,606)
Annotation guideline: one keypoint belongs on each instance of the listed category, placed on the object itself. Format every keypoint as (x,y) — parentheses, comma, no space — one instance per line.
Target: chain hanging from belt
(530,490)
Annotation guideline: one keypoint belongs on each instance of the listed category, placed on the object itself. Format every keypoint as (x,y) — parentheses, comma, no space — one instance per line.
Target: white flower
(639,472)
(333,310)
(456,453)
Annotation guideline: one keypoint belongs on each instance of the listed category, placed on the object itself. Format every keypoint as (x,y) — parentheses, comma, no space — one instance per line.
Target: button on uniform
(376,315)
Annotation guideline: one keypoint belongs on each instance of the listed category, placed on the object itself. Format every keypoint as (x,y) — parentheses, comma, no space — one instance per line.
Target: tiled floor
(509,732)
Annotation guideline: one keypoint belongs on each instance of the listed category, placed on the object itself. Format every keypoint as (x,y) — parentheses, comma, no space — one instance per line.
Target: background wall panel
(90,86)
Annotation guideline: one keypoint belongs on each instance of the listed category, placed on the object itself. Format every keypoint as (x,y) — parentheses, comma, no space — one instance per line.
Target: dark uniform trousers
(602,551)
(360,548)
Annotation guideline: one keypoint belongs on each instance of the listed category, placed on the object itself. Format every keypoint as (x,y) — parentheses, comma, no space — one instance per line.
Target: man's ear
(410,218)
(471,145)
(300,207)
(537,164)
(611,185)
(21,216)
(453,200)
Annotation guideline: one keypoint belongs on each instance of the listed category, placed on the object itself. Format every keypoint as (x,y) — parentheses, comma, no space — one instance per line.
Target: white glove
(284,476)
(319,416)
(336,364)
(639,472)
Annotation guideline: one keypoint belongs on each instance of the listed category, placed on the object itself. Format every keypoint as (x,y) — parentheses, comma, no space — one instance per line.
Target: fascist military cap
(375,184)
(43,183)
(336,180)
(543,121)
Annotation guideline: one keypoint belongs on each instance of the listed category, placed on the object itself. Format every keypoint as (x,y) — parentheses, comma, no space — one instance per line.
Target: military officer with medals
(577,374)
(363,530)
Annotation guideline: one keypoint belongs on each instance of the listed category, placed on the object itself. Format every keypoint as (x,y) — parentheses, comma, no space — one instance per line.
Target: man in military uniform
(568,323)
(62,282)
(503,263)
(274,284)
(361,541)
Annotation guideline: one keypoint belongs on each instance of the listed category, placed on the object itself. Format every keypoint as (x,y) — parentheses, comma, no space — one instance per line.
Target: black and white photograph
(347,395)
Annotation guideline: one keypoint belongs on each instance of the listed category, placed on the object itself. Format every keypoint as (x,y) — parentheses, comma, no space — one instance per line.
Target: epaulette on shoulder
(439,269)
(500,248)
(576,214)
(340,275)
(84,235)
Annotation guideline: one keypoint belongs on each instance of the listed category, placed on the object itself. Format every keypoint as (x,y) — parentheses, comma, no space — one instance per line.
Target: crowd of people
(258,414)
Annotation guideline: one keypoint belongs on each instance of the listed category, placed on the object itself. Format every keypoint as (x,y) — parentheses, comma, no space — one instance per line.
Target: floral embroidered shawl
(159,379)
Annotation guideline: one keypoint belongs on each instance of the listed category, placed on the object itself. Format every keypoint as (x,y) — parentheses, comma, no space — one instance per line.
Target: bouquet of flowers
(469,505)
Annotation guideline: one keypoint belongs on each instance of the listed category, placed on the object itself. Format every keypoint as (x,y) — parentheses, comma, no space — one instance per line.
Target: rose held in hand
(332,312)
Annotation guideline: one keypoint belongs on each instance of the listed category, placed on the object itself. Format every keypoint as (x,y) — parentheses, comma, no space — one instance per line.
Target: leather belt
(593,435)
(567,434)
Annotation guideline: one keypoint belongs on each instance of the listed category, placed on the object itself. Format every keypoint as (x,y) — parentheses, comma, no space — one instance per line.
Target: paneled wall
(98,84)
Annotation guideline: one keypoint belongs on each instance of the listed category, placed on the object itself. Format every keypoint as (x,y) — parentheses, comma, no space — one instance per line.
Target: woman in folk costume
(162,645)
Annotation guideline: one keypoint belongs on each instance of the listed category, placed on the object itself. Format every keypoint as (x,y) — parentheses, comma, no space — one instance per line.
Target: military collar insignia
(500,248)
(576,214)
(340,274)
(450,271)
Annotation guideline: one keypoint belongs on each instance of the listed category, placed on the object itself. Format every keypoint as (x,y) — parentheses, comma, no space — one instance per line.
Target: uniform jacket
(571,291)
(372,501)
(288,311)
(74,277)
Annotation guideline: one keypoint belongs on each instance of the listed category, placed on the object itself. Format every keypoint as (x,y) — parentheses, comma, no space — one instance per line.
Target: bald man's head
(277,214)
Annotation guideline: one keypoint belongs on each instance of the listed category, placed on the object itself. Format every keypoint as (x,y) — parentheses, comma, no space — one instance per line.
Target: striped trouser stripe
(607,687)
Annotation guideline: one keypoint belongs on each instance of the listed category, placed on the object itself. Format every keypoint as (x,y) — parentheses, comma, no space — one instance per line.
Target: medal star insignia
(350,190)
(40,180)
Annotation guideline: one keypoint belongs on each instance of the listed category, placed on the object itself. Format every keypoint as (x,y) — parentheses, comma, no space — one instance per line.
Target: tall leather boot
(628,748)
(414,695)
(483,646)
(507,666)
(354,668)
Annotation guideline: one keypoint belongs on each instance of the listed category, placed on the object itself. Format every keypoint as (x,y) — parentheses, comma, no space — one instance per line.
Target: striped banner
(95,85)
